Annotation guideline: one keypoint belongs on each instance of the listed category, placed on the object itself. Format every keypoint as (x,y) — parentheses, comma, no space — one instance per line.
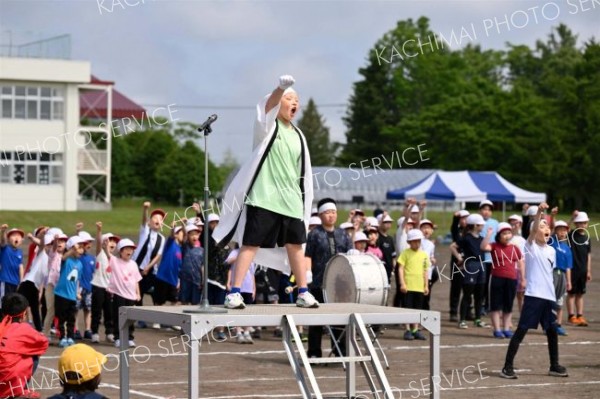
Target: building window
(31,102)
(30,168)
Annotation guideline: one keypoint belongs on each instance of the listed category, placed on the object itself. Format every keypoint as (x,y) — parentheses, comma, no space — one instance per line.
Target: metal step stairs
(366,357)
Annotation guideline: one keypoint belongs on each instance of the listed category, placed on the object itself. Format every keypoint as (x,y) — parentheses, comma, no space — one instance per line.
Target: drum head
(339,282)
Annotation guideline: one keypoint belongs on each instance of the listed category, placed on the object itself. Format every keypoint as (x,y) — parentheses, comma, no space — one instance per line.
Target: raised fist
(286,81)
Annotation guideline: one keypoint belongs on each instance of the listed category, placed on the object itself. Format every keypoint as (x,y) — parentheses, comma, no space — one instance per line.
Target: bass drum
(355,279)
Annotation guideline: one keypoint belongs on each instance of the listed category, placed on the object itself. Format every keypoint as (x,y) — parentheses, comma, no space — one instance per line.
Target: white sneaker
(307,300)
(95,338)
(234,301)
(248,337)
(156,326)
(117,343)
(131,343)
(110,338)
(240,338)
(176,328)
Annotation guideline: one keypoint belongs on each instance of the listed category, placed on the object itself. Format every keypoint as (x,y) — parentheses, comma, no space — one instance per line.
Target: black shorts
(413,300)
(578,282)
(266,229)
(502,294)
(164,292)
(537,311)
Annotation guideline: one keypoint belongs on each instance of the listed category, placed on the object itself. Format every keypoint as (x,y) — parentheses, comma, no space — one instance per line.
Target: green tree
(322,151)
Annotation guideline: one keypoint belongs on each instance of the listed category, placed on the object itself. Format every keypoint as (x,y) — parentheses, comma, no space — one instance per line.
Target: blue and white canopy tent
(467,186)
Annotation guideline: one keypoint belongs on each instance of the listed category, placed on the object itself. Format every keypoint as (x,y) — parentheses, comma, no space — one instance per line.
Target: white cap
(53,231)
(190,227)
(314,221)
(561,223)
(463,213)
(475,218)
(414,234)
(212,217)
(108,236)
(177,229)
(532,210)
(504,226)
(425,221)
(48,239)
(71,242)
(486,202)
(360,236)
(124,243)
(85,236)
(371,221)
(346,225)
(581,217)
(415,208)
(385,219)
(197,221)
(516,217)
(314,211)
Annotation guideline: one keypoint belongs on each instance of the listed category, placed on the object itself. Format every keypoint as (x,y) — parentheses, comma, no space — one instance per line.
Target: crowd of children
(60,282)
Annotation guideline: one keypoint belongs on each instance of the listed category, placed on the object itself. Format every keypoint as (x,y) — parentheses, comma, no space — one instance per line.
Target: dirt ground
(470,362)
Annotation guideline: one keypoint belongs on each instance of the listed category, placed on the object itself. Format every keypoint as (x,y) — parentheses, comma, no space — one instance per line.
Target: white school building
(49,161)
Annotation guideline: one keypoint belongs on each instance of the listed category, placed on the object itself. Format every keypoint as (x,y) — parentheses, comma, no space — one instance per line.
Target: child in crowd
(507,262)
(88,263)
(167,276)
(516,223)
(149,252)
(66,292)
(467,251)
(36,275)
(360,244)
(101,298)
(11,260)
(372,233)
(413,265)
(562,269)
(124,285)
(581,272)
(426,226)
(79,371)
(190,276)
(486,209)
(386,243)
(540,297)
(54,261)
(20,348)
(457,230)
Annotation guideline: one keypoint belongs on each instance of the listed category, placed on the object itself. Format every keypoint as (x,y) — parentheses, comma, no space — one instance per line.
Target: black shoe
(77,336)
(558,371)
(508,373)
(453,318)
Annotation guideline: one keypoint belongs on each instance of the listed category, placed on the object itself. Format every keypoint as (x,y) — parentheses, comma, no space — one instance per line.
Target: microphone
(207,123)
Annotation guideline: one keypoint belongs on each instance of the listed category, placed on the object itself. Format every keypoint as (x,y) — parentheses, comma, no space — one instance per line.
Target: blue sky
(230,53)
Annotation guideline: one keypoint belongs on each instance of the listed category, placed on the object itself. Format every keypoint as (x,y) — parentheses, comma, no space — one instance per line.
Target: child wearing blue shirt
(190,276)
(562,269)
(66,292)
(88,263)
(167,276)
(11,260)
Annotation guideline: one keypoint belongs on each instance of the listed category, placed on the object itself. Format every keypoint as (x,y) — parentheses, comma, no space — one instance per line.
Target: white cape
(233,211)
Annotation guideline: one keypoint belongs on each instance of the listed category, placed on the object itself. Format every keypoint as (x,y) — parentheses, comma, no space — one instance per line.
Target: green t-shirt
(277,187)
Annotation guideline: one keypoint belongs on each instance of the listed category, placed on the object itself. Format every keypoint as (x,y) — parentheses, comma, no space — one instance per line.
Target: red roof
(93,103)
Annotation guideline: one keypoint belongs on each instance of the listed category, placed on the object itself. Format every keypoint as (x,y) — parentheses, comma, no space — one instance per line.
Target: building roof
(342,184)
(93,103)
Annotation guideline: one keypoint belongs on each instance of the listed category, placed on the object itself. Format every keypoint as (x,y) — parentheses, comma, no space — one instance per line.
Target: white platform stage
(354,316)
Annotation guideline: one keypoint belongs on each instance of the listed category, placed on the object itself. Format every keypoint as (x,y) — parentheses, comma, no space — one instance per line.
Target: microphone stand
(204,305)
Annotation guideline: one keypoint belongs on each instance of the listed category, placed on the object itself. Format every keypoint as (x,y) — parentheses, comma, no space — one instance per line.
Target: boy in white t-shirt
(539,305)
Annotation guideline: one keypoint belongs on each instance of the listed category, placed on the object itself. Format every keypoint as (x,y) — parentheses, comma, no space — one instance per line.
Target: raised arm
(98,238)
(536,222)
(3,229)
(145,208)
(285,81)
(485,243)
